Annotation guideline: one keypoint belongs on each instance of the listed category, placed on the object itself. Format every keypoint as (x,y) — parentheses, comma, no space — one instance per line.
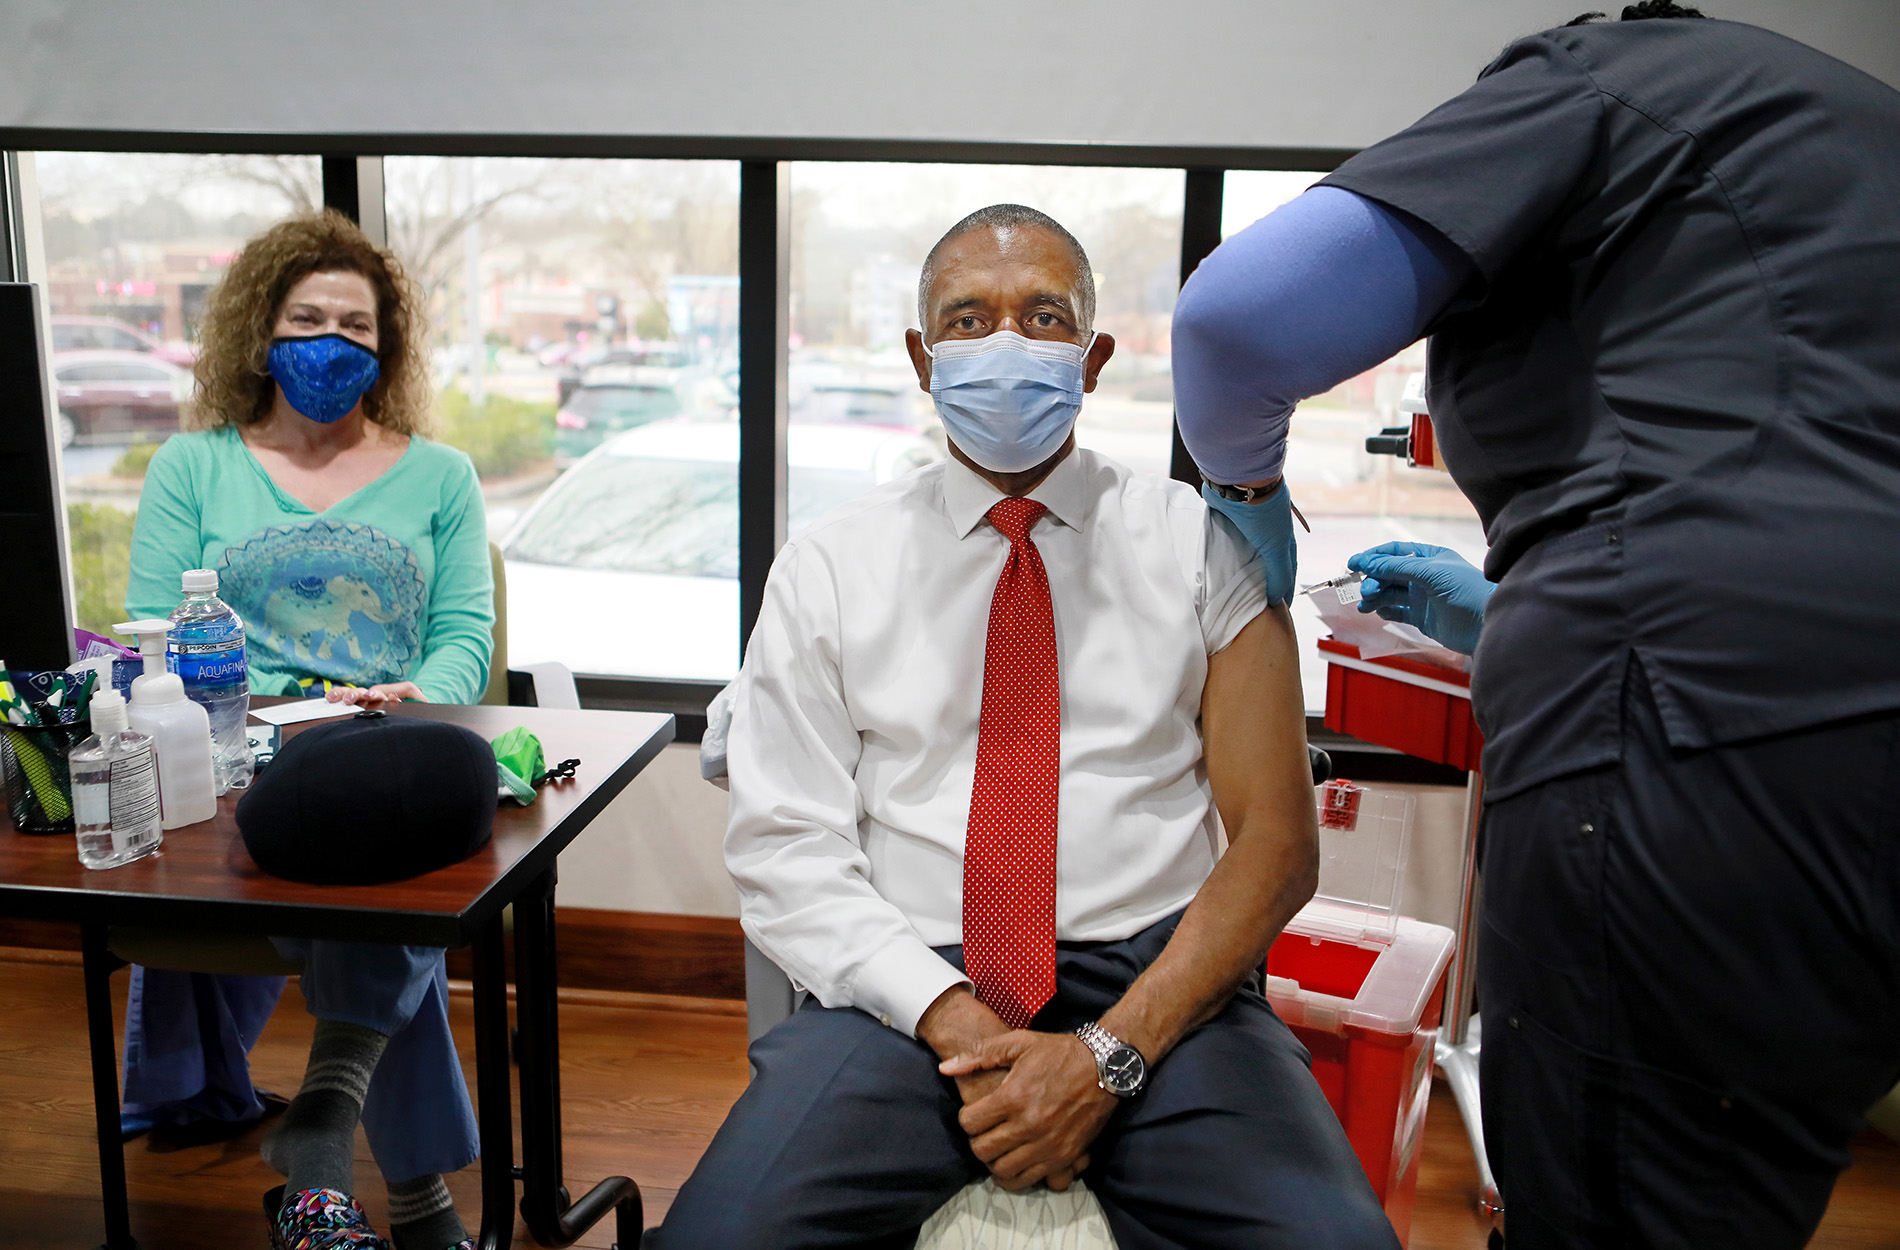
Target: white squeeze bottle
(180,730)
(115,788)
(206,646)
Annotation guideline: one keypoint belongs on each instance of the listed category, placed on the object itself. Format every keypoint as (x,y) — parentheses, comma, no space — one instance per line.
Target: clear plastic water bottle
(206,650)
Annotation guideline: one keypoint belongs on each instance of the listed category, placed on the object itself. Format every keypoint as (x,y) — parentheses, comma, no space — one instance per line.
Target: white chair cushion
(984,1217)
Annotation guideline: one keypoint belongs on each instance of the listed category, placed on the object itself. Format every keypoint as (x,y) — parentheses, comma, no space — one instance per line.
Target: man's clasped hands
(1032,1102)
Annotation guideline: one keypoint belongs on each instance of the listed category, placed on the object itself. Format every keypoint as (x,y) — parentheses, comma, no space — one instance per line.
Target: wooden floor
(646,1081)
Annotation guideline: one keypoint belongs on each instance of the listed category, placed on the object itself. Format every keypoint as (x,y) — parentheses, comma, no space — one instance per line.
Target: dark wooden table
(203,880)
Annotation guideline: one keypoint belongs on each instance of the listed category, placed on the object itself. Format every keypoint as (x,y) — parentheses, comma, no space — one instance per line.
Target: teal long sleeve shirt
(391,584)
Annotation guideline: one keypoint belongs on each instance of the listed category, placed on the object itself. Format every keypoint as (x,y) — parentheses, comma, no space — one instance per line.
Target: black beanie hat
(368,799)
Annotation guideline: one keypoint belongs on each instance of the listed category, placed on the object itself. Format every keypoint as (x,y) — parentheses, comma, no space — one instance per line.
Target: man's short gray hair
(1009,217)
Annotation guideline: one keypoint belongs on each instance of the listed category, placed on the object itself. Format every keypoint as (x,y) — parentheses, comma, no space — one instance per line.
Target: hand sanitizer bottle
(115,788)
(180,730)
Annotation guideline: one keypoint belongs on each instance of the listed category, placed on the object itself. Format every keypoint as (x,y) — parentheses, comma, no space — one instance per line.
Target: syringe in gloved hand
(1346,586)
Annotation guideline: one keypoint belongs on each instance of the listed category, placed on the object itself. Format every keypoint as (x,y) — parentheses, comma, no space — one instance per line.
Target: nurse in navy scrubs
(1657,261)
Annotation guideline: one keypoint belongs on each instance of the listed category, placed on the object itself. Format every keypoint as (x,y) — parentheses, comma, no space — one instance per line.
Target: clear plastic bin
(1362,987)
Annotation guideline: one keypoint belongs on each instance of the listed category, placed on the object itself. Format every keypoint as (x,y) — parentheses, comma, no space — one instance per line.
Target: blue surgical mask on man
(1008,402)
(324,376)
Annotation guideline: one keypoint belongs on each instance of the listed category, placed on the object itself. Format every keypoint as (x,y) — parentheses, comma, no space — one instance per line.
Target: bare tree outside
(430,203)
(297,180)
(619,227)
(139,237)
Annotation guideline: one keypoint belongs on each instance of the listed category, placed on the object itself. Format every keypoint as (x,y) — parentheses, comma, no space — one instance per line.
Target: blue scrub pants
(1690,974)
(187,1038)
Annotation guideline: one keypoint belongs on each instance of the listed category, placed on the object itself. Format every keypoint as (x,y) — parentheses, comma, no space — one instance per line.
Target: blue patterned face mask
(1008,402)
(323,377)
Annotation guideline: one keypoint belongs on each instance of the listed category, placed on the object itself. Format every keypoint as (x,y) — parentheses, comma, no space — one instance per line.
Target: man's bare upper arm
(1253,721)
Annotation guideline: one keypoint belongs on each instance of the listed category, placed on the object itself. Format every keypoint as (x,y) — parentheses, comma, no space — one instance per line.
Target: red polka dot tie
(1009,857)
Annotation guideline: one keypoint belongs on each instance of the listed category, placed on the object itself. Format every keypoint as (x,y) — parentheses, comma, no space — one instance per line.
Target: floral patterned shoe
(322,1219)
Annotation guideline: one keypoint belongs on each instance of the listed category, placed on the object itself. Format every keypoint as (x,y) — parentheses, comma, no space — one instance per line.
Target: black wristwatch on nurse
(1240,494)
(1119,1067)
(1250,494)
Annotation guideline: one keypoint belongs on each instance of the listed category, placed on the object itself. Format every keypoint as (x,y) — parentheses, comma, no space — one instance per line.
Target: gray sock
(314,1143)
(422,1215)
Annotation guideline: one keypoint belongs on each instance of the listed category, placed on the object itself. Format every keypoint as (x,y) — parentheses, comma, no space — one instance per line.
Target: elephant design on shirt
(324,598)
(297,614)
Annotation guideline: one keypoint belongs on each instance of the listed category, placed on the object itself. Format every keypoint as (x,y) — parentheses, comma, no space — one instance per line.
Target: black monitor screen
(35,624)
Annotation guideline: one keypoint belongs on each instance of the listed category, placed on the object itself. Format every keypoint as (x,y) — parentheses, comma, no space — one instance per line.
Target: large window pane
(1247,195)
(134,244)
(585,323)
(861,231)
(1354,500)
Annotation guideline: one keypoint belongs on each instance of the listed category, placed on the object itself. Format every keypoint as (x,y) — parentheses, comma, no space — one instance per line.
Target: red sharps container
(1362,987)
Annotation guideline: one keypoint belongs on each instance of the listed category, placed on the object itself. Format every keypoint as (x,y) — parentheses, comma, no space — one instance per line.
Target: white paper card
(302,710)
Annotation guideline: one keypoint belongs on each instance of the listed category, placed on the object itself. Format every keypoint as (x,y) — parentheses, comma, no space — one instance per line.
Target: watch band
(1099,1040)
(1240,494)
(1247,494)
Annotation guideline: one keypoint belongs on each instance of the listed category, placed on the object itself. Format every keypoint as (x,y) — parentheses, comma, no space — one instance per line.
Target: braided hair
(1640,11)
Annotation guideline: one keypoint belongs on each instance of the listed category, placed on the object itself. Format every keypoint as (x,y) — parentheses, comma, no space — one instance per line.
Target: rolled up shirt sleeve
(1233,584)
(792,842)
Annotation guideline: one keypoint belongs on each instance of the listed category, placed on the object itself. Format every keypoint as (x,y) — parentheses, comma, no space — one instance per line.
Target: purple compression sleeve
(1316,292)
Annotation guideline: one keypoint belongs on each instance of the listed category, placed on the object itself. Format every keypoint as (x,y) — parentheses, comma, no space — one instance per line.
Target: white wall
(656,847)
(1303,73)
(1433,877)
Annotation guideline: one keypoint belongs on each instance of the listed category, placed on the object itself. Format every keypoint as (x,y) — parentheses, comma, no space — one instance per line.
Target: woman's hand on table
(377,696)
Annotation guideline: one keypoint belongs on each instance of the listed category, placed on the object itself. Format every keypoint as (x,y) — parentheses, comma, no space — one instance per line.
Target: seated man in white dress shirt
(983,728)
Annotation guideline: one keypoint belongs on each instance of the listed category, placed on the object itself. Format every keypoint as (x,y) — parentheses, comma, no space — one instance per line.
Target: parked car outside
(616,397)
(117,397)
(104,334)
(629,562)
(581,358)
(864,402)
(826,393)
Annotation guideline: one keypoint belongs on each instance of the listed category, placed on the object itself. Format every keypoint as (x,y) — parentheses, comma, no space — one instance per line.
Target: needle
(1334,583)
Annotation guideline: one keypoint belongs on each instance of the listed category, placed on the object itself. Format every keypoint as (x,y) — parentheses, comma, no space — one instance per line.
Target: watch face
(1123,1070)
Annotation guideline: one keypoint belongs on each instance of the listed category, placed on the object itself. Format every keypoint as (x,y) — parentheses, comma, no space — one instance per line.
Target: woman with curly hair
(307,463)
(356,552)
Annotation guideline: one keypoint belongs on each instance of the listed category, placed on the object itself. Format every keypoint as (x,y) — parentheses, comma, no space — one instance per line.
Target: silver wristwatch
(1119,1067)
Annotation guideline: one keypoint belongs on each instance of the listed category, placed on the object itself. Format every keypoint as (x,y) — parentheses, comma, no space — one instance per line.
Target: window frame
(352,184)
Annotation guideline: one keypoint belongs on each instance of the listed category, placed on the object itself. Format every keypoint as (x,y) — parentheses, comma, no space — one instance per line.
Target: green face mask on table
(522,766)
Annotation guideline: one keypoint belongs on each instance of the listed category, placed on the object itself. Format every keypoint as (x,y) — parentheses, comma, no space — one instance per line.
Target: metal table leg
(551,1216)
(494,1111)
(1458,1044)
(100,964)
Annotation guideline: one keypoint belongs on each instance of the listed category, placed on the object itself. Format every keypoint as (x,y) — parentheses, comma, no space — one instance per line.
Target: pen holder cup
(35,776)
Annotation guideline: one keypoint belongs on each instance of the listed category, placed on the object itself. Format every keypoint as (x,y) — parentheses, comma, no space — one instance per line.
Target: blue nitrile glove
(1433,589)
(1268,527)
